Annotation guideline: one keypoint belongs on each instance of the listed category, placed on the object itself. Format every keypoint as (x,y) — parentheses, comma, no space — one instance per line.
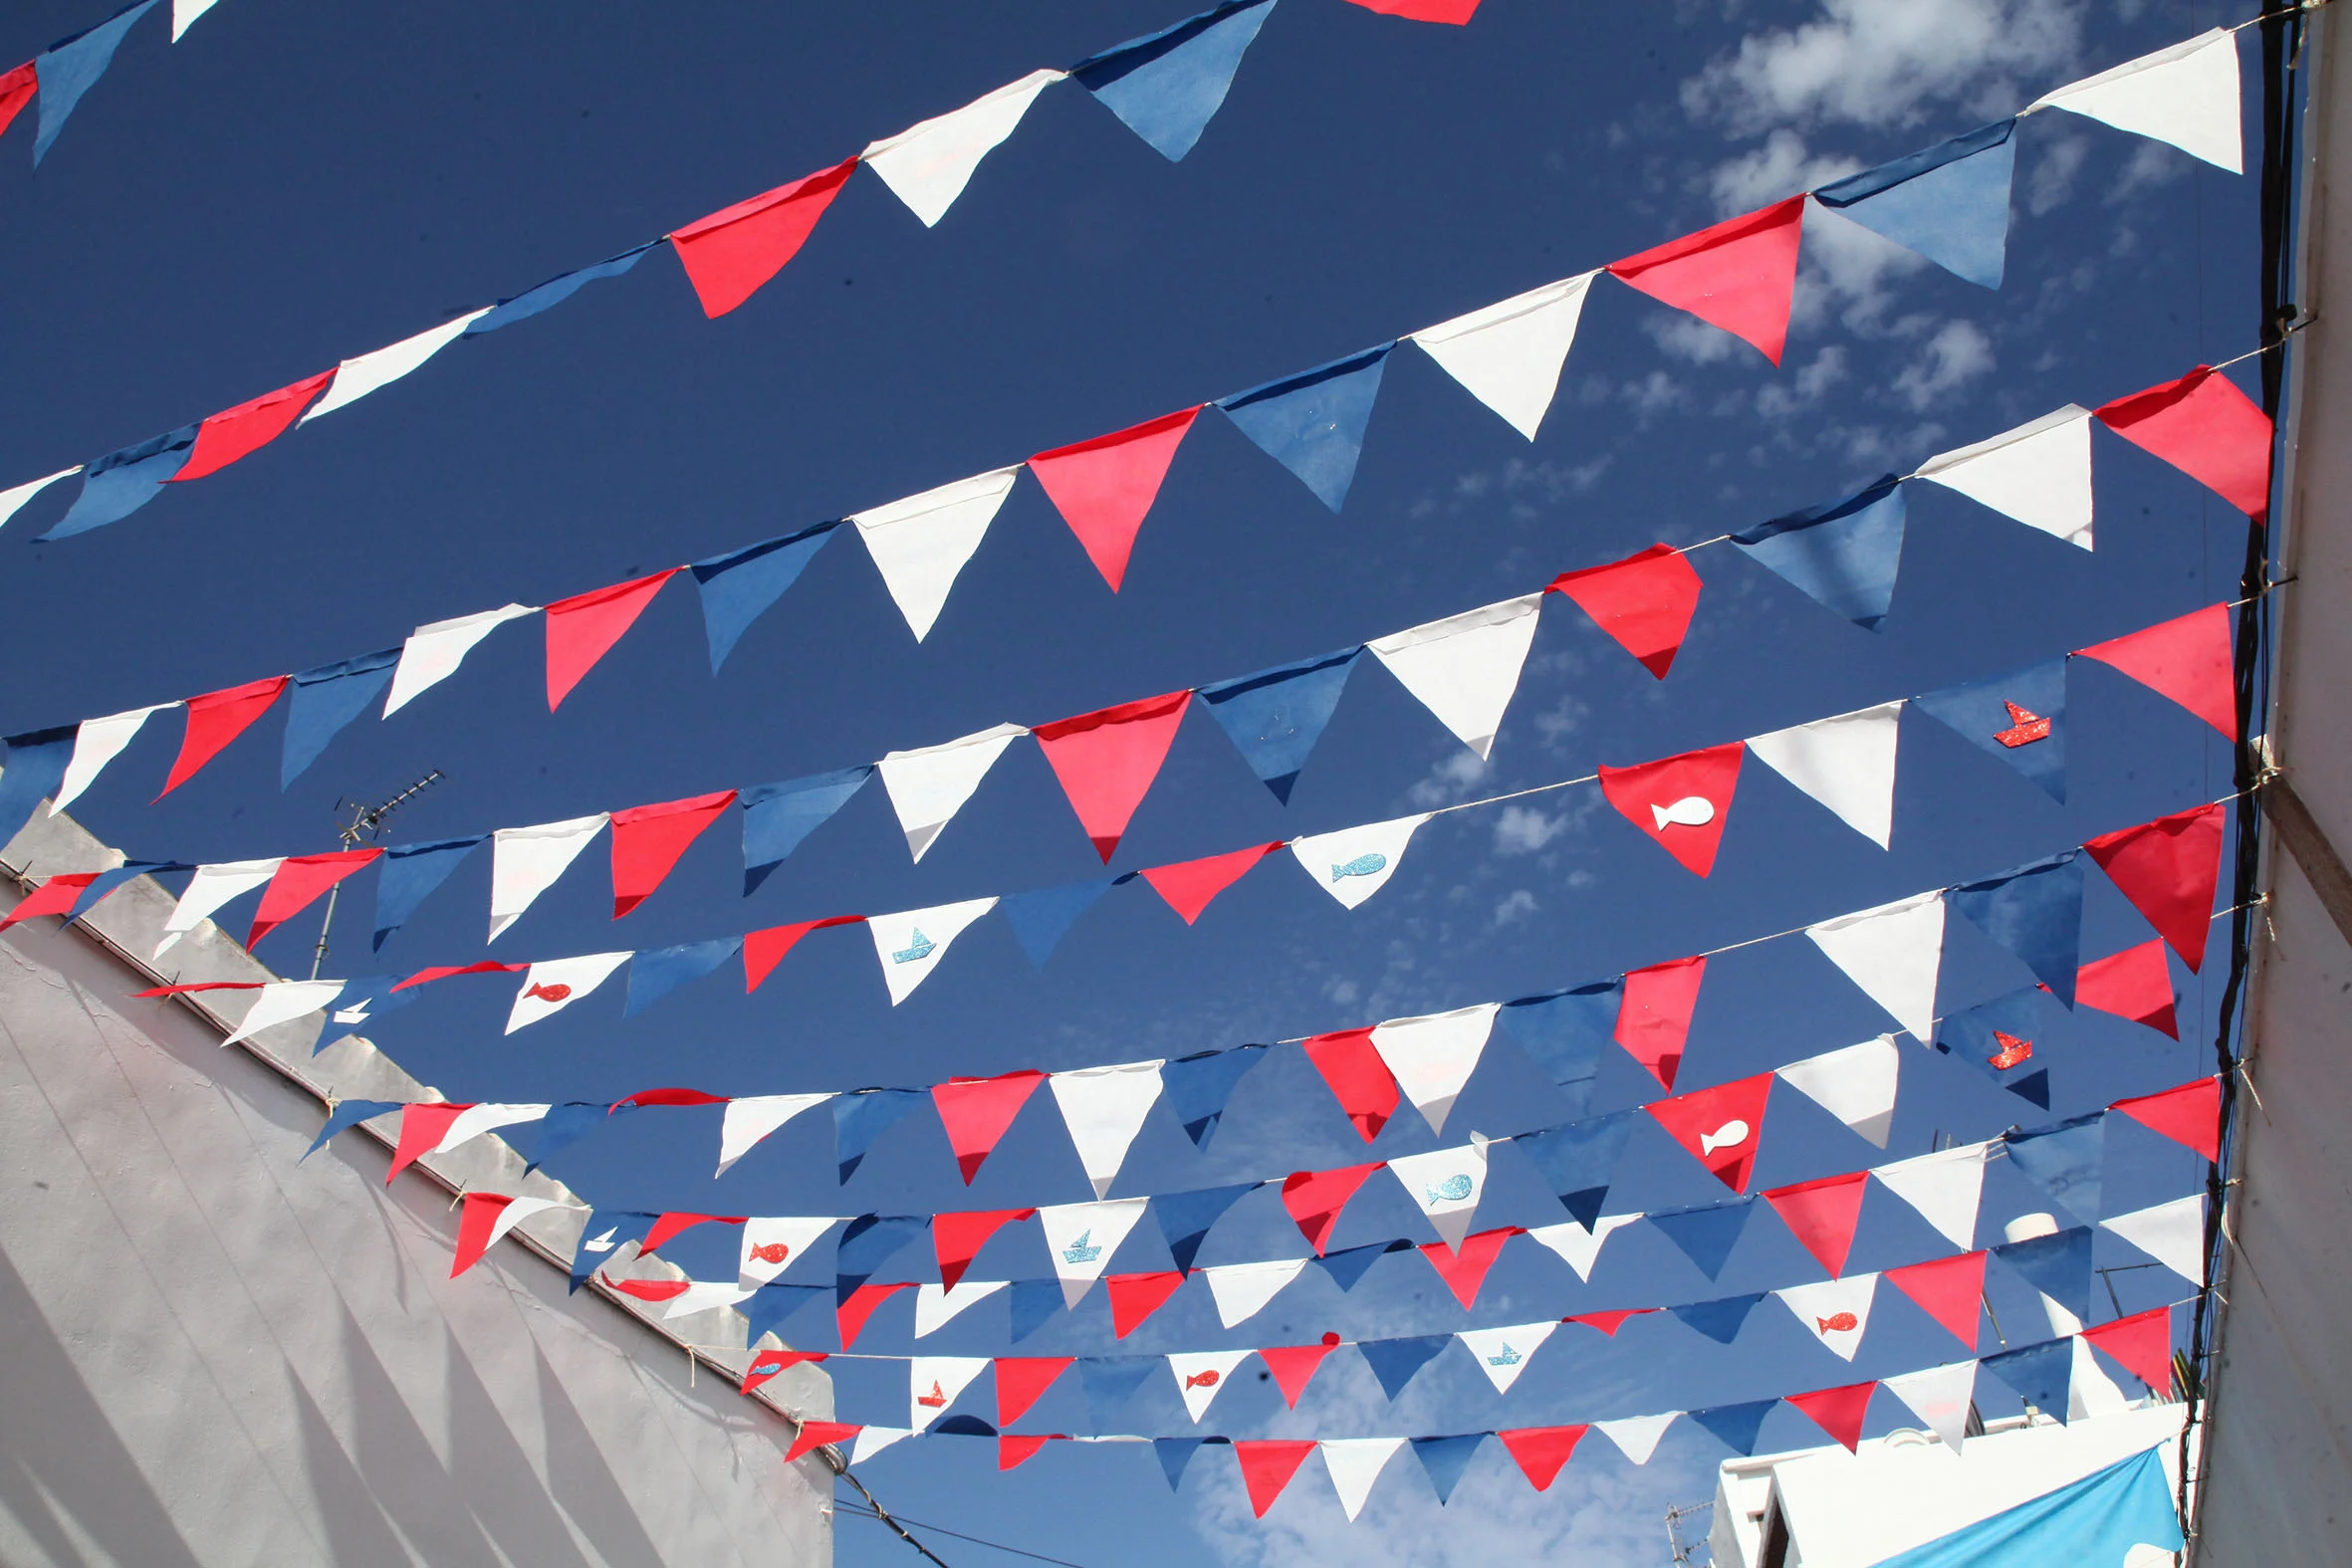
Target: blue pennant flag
(776,816)
(1706,1233)
(1565,1033)
(1346,1267)
(410,873)
(1174,1455)
(1736,1425)
(2058,1266)
(119,484)
(348,1114)
(325,700)
(1197,1087)
(107,882)
(1579,1161)
(2019,718)
(36,767)
(1032,1302)
(607,1232)
(1112,1380)
(555,292)
(1042,918)
(1445,1459)
(1394,1361)
(771,1303)
(2043,1374)
(739,586)
(2097,1519)
(867,1243)
(1950,203)
(1185,1219)
(72,66)
(965,1426)
(1167,87)
(2009,1039)
(655,973)
(1844,553)
(863,1115)
(2067,1161)
(2036,910)
(565,1125)
(1720,1320)
(1275,717)
(363,1000)
(1312,423)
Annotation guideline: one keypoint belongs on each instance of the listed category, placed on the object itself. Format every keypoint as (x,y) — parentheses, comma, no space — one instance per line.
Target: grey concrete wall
(210,1353)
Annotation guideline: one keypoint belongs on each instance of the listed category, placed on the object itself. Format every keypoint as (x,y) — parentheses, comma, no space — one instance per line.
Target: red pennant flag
(1293,1366)
(766,1364)
(1719,1126)
(1268,1463)
(298,880)
(1948,1289)
(2187,660)
(53,897)
(1104,487)
(2168,869)
(1316,1199)
(764,949)
(2190,1114)
(1135,1298)
(677,1222)
(1452,13)
(1189,885)
(958,1238)
(201,985)
(239,432)
(1021,1380)
(1654,1015)
(1608,1323)
(1013,1448)
(473,1228)
(2143,1342)
(214,720)
(2207,428)
(583,630)
(1360,1081)
(820,1434)
(1838,1411)
(17,87)
(422,1126)
(731,253)
(852,1314)
(1740,275)
(976,1112)
(1645,602)
(644,1097)
(1822,1213)
(1107,760)
(425,977)
(1681,802)
(1466,1270)
(654,1290)
(2134,984)
(648,839)
(1542,1451)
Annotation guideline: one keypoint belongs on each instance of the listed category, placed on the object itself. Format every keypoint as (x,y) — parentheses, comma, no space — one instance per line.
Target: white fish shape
(1691,811)
(1729,1135)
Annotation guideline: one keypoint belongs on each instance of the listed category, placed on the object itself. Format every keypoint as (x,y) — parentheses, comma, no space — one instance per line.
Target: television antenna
(366,823)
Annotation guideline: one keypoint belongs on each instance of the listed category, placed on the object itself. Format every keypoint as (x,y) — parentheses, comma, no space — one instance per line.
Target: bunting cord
(941,1529)
(874,1510)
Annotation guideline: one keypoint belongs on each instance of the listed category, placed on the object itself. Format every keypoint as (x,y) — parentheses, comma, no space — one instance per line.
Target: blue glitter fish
(1366,864)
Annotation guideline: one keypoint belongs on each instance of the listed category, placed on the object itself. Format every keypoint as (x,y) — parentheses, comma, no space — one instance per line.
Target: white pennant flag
(1445,1185)
(1846,762)
(1855,1084)
(1836,1311)
(475,1120)
(1103,1108)
(1508,356)
(283,1001)
(551,985)
(432,653)
(2039,473)
(704,1295)
(210,888)
(1578,1247)
(356,378)
(525,862)
(1465,668)
(936,1305)
(2172,1233)
(1637,1437)
(97,742)
(1938,1397)
(13,499)
(1243,1289)
(873,1440)
(1431,1057)
(518,1209)
(1503,1352)
(1083,1237)
(772,1244)
(185,13)
(1200,1375)
(927,165)
(930,784)
(912,942)
(1893,954)
(1945,1186)
(1355,862)
(752,1118)
(1353,1464)
(920,544)
(2186,95)
(933,1382)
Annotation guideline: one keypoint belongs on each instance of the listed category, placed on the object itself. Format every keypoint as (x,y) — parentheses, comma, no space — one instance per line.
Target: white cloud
(1958,353)
(1450,781)
(1522,830)
(1518,906)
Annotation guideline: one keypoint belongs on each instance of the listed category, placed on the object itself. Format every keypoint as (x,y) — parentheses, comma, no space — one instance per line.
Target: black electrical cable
(941,1529)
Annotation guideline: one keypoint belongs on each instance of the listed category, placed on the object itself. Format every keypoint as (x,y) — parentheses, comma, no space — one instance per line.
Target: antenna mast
(366,823)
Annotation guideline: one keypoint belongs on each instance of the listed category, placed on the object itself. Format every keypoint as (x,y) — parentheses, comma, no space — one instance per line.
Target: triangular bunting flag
(1351,1066)
(1353,1464)
(657,972)
(1465,668)
(1190,885)
(1185,1219)
(776,816)
(1950,203)
(553,985)
(2184,96)
(546,295)
(1705,1234)
(1355,862)
(2168,869)
(1243,1289)
(2009,1038)
(1846,762)
(1721,1127)
(97,742)
(1845,555)
(2057,1263)
(1893,954)
(2135,983)
(1316,1199)
(67,68)
(911,944)
(1720,1320)
(324,701)
(1198,1087)
(282,1002)
(1167,87)
(739,586)
(214,720)
(1822,1213)
(239,432)
(1737,1426)
(56,896)
(1042,917)
(862,1116)
(1295,1366)
(977,1111)
(1104,1109)
(934,1382)
(1645,602)
(2207,428)
(1394,1361)
(2172,1233)
(928,164)
(955,1238)
(1564,1033)
(583,630)
(410,873)
(1202,1375)
(1174,1454)
(749,1120)
(1021,1380)
(731,253)
(2042,1375)
(1348,1266)
(2143,1342)
(1739,275)
(1444,1460)
(1836,1311)
(1636,1437)
(1445,1185)
(297,881)
(1464,1267)
(120,483)
(1135,1298)
(1433,1057)
(526,861)
(1854,1083)
(1104,487)
(1576,1245)
(1268,1463)
(211,888)
(1508,354)
(2019,718)
(2039,473)
(2187,660)
(432,654)
(1107,760)
(648,839)
(1580,1160)
(1838,1411)
(1940,1397)
(920,545)
(1112,1380)
(774,1243)
(1274,715)
(1681,802)
(1312,423)
(1503,1353)
(762,950)
(1945,1189)
(1948,1289)
(2190,1114)
(929,784)
(364,373)
(1541,1452)
(2035,911)
(1082,1238)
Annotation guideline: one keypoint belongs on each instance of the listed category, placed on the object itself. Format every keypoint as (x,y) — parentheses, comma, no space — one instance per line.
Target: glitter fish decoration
(1450,1191)
(1369,864)
(1837,1323)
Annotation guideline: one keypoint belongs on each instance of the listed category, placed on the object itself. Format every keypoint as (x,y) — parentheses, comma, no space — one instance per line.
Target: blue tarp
(2092,1524)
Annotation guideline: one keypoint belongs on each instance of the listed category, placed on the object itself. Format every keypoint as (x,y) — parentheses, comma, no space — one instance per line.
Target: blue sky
(293,184)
